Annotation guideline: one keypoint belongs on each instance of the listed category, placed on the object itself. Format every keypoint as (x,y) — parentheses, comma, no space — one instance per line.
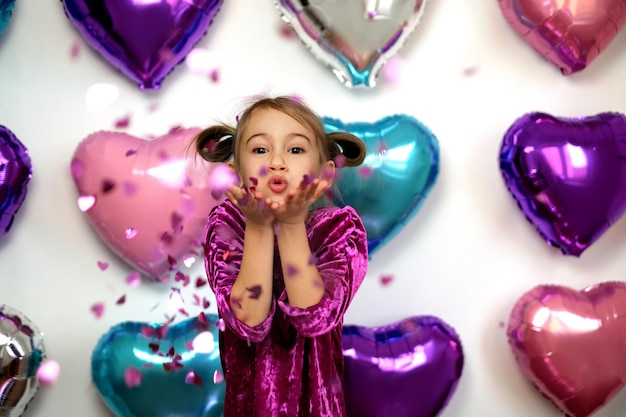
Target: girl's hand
(254,207)
(296,205)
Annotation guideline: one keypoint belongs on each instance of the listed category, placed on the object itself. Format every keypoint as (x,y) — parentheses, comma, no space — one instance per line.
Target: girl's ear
(329,171)
(231,166)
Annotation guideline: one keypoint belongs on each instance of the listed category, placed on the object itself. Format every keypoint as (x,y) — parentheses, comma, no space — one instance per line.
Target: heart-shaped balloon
(144,39)
(572,344)
(22,351)
(148,200)
(569,34)
(355,38)
(152,370)
(386,366)
(16,172)
(400,169)
(567,175)
(6,10)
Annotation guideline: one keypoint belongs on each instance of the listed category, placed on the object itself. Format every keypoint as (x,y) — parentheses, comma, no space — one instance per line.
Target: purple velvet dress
(291,365)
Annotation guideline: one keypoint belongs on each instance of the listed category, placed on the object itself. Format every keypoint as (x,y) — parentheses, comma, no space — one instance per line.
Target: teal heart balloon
(6,9)
(149,370)
(400,169)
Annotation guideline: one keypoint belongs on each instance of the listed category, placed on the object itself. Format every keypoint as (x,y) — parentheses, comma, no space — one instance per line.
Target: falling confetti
(103,265)
(468,72)
(192,378)
(200,282)
(386,279)
(133,279)
(365,172)
(98,309)
(263,171)
(48,372)
(255,291)
(75,49)
(292,271)
(86,202)
(340,161)
(218,377)
(132,377)
(122,122)
(107,186)
(121,300)
(286,31)
(204,342)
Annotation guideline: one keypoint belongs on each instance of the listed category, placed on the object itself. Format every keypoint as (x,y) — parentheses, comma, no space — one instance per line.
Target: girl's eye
(259,150)
(296,150)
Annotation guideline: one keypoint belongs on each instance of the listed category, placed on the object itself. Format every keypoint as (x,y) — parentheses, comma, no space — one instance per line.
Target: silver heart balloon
(21,353)
(355,38)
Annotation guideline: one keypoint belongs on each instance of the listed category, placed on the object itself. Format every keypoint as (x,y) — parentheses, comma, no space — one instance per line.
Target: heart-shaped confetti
(567,175)
(147,199)
(22,352)
(152,370)
(144,39)
(400,169)
(6,10)
(572,344)
(569,34)
(355,38)
(386,366)
(15,174)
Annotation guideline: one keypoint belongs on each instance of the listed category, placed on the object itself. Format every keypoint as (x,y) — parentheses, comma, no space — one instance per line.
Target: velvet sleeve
(223,249)
(339,245)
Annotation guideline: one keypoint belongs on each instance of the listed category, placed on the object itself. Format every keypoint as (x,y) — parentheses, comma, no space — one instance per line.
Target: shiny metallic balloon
(15,174)
(144,39)
(406,369)
(22,351)
(400,169)
(148,370)
(569,33)
(572,344)
(567,175)
(355,38)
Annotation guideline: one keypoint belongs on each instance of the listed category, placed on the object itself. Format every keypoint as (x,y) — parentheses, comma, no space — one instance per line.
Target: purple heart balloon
(406,369)
(146,39)
(568,175)
(15,173)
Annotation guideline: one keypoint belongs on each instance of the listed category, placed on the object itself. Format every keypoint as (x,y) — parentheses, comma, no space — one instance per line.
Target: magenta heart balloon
(15,173)
(145,39)
(148,200)
(569,34)
(572,344)
(407,369)
(567,175)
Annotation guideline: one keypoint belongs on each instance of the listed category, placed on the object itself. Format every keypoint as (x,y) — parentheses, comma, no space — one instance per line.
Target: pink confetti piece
(192,378)
(48,372)
(313,259)
(122,122)
(161,331)
(200,282)
(189,345)
(86,202)
(130,152)
(153,107)
(469,71)
(204,342)
(133,279)
(214,75)
(154,347)
(75,49)
(221,326)
(328,173)
(393,71)
(183,312)
(132,377)
(306,180)
(129,188)
(121,300)
(130,233)
(76,168)
(205,303)
(254,182)
(263,171)
(340,161)
(202,318)
(330,194)
(286,31)
(189,260)
(365,172)
(180,277)
(98,309)
(103,265)
(501,324)
(196,299)
(386,279)
(255,291)
(292,271)
(147,331)
(218,377)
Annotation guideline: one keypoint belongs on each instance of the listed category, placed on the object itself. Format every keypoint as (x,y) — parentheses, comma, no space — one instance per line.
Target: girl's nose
(278,164)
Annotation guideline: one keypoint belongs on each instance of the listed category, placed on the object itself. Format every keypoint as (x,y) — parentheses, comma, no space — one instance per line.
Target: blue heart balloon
(400,169)
(174,378)
(6,9)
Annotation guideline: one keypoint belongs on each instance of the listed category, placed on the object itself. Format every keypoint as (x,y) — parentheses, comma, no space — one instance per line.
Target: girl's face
(276,152)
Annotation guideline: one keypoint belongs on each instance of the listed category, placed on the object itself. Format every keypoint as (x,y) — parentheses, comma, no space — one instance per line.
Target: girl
(283,276)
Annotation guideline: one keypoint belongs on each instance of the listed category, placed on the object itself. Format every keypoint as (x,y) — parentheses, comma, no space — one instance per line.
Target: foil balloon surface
(572,344)
(15,174)
(153,370)
(147,199)
(146,40)
(355,38)
(567,175)
(400,169)
(6,10)
(568,33)
(406,369)
(22,351)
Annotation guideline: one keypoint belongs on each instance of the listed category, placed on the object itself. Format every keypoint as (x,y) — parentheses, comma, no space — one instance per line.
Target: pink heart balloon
(148,200)
(572,344)
(570,34)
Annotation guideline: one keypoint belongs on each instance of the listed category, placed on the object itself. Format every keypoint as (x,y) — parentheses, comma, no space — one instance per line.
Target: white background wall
(466,257)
